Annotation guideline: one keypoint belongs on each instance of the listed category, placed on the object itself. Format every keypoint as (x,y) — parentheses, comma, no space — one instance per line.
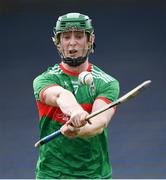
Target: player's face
(74,44)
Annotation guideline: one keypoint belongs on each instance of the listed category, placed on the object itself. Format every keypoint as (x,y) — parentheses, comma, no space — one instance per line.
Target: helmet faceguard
(74,22)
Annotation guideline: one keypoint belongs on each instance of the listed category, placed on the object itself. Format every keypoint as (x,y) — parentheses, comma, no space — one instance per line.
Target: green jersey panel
(80,158)
(106,86)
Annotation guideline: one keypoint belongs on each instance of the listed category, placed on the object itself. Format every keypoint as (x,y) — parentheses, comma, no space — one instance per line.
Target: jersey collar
(66,71)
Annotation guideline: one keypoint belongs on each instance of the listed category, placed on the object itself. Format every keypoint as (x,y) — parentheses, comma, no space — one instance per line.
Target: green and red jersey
(80,158)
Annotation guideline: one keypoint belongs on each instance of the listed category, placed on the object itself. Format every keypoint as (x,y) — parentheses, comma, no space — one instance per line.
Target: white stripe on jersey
(99,75)
(55,70)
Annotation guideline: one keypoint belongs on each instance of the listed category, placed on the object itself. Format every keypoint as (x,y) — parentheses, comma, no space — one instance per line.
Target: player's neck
(78,69)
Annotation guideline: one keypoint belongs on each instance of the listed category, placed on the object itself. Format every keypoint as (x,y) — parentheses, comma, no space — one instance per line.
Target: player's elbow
(100,131)
(103,126)
(59,96)
(52,95)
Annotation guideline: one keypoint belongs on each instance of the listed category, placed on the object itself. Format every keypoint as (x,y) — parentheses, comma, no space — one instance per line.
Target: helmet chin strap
(75,61)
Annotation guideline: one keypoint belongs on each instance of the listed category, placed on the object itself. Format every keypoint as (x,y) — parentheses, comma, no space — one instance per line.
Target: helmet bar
(76,20)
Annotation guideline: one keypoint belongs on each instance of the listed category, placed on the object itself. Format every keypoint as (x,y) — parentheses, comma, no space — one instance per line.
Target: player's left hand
(78,118)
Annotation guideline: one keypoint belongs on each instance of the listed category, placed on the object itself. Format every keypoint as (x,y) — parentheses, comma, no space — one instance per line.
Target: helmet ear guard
(56,39)
(53,39)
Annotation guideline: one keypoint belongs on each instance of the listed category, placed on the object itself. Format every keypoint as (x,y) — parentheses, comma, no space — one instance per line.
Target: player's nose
(72,40)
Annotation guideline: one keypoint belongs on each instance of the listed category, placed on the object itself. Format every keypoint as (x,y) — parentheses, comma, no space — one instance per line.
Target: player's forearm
(67,102)
(99,122)
(59,97)
(97,127)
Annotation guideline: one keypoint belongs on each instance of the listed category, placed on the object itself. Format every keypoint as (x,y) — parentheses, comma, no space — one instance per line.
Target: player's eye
(66,37)
(79,35)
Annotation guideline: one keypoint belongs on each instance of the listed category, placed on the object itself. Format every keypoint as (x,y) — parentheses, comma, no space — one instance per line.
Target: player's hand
(78,118)
(69,131)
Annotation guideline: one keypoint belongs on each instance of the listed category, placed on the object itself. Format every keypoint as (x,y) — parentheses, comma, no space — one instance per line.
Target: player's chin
(74,56)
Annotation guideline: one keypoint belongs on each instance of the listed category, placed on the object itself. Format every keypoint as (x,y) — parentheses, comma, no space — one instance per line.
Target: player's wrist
(77,108)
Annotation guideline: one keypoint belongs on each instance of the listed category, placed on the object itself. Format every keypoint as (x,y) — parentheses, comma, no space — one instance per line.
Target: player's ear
(93,38)
(91,44)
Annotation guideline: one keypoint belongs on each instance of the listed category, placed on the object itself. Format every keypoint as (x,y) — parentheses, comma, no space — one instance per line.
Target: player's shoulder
(50,73)
(98,73)
(52,70)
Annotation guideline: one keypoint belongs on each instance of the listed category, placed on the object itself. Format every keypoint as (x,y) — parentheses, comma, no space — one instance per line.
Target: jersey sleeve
(109,91)
(43,81)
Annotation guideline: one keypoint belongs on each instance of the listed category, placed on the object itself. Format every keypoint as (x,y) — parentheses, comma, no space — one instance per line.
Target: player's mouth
(73,52)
